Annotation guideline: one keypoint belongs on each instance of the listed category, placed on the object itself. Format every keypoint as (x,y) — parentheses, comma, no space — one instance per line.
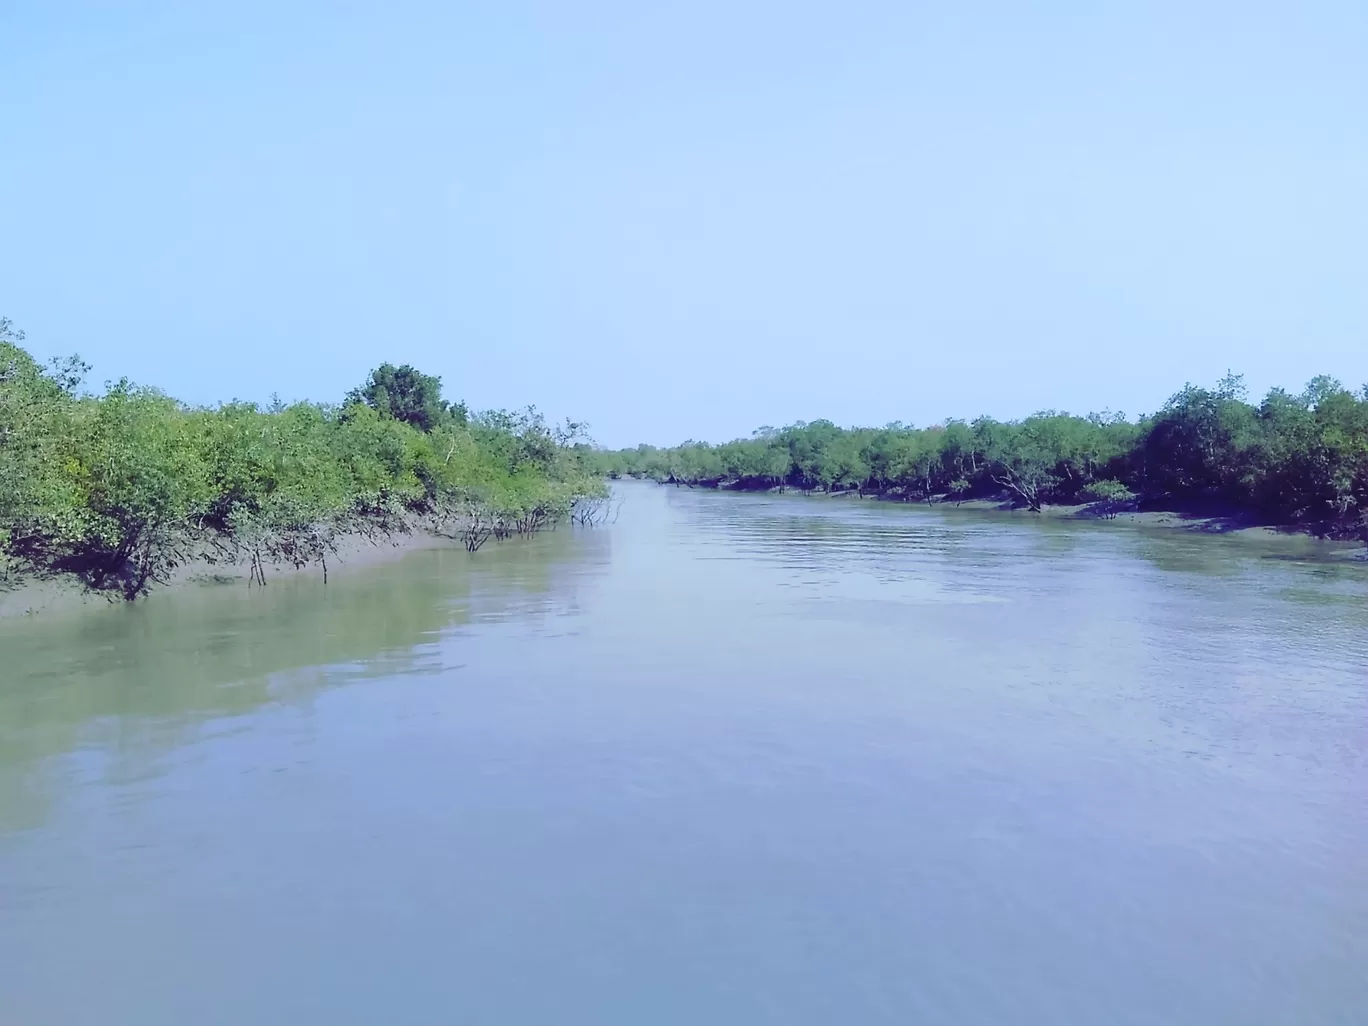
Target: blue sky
(689,220)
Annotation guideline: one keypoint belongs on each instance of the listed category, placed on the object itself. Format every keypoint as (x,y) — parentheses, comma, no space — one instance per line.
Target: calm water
(734,760)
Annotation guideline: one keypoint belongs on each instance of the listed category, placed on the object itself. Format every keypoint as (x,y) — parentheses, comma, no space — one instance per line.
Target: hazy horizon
(689,224)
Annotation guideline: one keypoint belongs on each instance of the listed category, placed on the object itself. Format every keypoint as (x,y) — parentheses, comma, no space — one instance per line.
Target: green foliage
(406,394)
(1106,490)
(139,486)
(1294,458)
(37,411)
(121,489)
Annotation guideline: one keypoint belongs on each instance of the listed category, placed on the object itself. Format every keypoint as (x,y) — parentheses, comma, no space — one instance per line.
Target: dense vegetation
(1291,459)
(121,488)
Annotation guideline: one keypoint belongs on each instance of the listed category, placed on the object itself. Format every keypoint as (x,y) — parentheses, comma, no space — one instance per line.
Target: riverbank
(116,490)
(1226,523)
(61,595)
(1293,458)
(1203,519)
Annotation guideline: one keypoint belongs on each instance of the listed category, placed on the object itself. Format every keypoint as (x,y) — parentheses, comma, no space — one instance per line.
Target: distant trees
(121,488)
(1295,458)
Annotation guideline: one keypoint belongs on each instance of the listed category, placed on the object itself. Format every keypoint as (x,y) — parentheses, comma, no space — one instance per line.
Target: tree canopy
(119,489)
(1295,458)
(407,394)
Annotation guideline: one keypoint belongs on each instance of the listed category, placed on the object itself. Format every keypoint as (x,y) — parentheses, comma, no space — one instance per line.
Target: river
(731,760)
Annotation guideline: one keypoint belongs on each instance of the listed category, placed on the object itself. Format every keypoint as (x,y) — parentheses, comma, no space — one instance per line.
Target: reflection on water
(738,759)
(133,682)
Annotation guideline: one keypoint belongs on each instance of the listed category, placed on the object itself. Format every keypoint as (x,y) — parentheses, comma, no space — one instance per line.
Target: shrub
(1106,490)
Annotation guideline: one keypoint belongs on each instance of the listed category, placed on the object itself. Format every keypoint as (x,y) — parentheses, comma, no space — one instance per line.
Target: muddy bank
(1208,519)
(1225,523)
(63,594)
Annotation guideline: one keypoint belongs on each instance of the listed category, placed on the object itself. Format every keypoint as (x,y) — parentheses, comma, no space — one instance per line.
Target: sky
(691,220)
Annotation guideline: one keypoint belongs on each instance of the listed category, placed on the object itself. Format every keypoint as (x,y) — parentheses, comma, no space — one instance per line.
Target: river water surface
(732,760)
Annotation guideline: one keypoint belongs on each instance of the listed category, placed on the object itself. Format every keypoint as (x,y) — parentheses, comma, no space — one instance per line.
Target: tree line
(119,489)
(1293,458)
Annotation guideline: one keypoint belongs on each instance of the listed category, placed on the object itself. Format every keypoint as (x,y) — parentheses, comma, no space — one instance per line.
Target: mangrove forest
(119,488)
(1294,458)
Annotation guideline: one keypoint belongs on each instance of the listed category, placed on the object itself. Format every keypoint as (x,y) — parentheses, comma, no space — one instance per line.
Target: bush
(1106,491)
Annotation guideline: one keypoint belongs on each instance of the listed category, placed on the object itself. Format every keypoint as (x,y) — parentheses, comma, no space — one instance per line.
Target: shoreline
(57,596)
(1208,521)
(1229,524)
(60,595)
